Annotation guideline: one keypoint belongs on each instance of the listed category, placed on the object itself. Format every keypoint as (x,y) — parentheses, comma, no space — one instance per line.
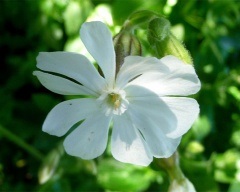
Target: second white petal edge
(64,115)
(127,144)
(61,85)
(89,140)
(186,111)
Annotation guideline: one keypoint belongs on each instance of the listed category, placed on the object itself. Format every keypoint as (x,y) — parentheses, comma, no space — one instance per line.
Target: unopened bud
(125,44)
(164,42)
(49,165)
(183,185)
(158,30)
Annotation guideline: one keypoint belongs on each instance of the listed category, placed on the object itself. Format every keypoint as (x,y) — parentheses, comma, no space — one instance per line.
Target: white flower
(142,100)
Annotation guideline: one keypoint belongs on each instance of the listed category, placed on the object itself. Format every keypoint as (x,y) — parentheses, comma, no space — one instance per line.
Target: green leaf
(44,102)
(202,127)
(199,173)
(116,176)
(75,14)
(226,166)
(234,187)
(58,185)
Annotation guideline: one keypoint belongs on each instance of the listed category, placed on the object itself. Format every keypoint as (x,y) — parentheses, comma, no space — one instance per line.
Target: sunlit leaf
(117,176)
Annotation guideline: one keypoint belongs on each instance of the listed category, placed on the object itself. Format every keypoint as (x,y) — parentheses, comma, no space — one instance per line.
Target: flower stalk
(178,181)
(171,166)
(139,18)
(21,143)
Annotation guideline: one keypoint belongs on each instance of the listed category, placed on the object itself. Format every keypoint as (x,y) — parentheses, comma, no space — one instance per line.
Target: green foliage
(209,152)
(116,176)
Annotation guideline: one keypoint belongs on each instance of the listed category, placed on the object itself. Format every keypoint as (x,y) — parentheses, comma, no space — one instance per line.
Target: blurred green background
(31,160)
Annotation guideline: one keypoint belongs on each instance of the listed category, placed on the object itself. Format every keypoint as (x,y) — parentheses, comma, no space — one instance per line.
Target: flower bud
(49,165)
(125,44)
(158,30)
(183,185)
(164,42)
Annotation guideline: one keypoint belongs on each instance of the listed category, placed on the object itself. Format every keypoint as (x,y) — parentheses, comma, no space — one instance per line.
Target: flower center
(114,99)
(113,102)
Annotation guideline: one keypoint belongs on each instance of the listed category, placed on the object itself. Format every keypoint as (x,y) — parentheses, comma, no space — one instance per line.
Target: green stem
(171,166)
(20,142)
(139,18)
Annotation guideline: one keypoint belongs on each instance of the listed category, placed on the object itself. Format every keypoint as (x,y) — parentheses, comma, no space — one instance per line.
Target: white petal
(89,140)
(64,115)
(61,85)
(181,80)
(151,105)
(72,65)
(159,144)
(127,144)
(134,66)
(98,40)
(186,110)
(174,63)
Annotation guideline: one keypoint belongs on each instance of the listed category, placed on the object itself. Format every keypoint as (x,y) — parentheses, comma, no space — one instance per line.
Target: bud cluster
(158,34)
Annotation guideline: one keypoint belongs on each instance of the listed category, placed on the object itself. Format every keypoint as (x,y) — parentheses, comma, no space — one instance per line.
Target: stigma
(113,102)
